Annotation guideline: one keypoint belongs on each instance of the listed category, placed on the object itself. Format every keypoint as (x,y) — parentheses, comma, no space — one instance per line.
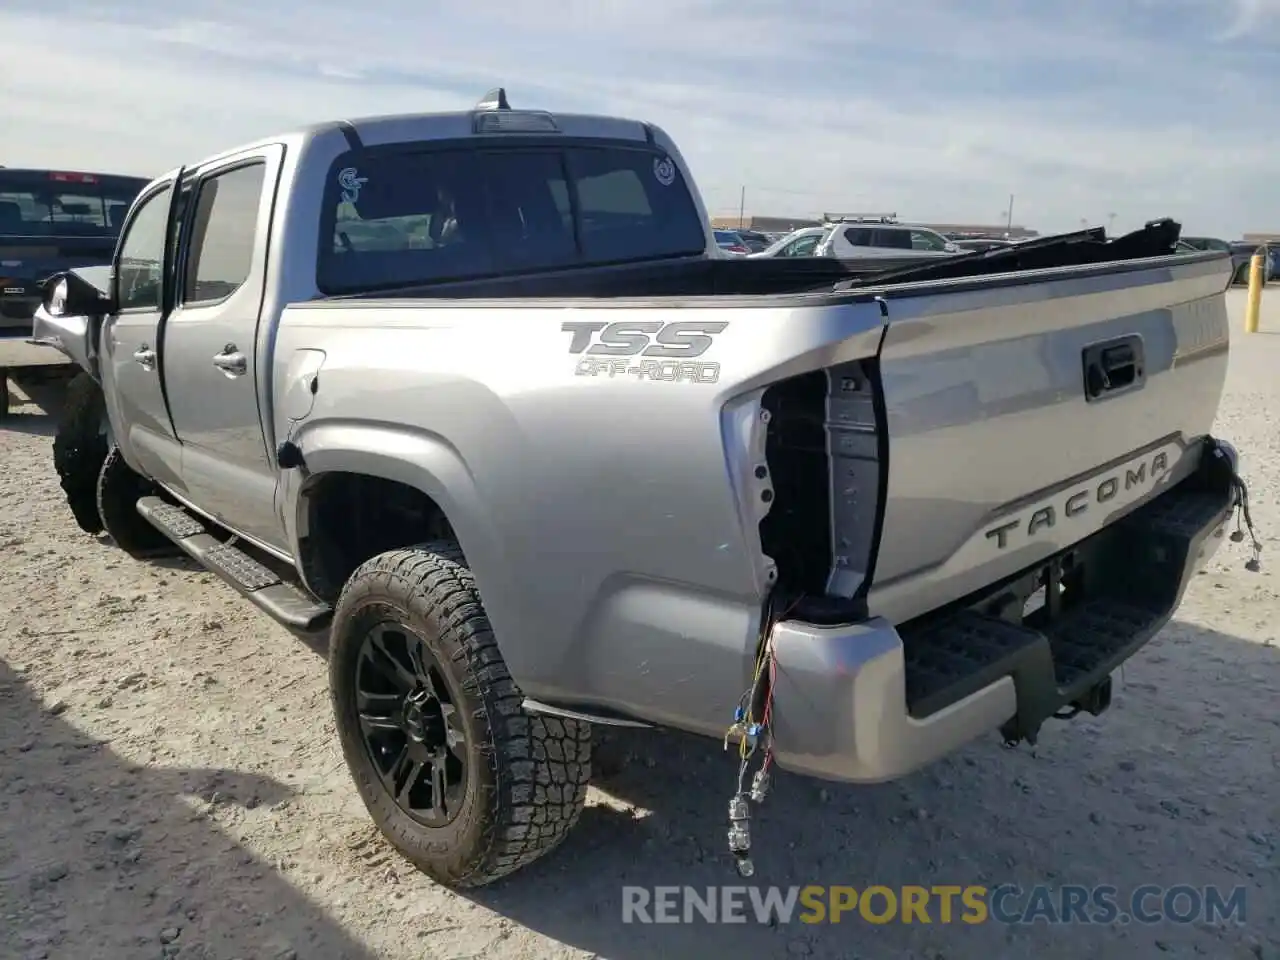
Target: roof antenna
(495,99)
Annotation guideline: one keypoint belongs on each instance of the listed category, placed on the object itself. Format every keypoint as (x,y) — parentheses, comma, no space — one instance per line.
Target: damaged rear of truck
(542,459)
(851,530)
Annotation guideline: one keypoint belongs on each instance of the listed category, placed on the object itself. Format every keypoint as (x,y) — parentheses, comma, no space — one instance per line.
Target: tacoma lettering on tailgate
(1133,479)
(645,349)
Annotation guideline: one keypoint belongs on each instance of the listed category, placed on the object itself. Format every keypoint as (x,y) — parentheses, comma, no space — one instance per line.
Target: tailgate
(1026,411)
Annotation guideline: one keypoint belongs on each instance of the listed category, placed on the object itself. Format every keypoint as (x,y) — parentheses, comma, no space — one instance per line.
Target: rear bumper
(16,350)
(870,702)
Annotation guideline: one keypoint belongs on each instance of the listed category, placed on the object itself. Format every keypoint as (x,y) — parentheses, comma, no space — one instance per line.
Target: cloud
(935,109)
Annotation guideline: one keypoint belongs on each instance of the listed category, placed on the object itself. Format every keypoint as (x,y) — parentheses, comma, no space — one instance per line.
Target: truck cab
(211,254)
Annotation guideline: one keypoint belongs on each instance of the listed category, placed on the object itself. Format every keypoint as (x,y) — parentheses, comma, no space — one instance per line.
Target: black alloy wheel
(410,724)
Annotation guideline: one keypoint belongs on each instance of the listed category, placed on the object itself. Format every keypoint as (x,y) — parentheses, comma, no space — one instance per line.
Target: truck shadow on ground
(35,408)
(92,864)
(31,421)
(1154,791)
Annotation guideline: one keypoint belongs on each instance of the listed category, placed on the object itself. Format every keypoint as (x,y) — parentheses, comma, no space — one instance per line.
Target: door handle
(231,362)
(145,356)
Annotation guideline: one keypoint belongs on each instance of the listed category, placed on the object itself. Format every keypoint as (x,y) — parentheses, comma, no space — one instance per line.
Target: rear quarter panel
(607,518)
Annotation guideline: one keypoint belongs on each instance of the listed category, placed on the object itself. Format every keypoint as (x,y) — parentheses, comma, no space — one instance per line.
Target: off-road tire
(80,449)
(526,775)
(118,491)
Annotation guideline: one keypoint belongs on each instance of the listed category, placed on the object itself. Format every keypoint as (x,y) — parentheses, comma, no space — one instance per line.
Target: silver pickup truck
(477,393)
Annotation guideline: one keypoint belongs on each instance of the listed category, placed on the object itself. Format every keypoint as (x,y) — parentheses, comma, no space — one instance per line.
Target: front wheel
(453,771)
(80,448)
(118,491)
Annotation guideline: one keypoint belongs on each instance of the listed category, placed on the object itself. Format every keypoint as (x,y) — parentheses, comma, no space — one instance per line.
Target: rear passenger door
(212,373)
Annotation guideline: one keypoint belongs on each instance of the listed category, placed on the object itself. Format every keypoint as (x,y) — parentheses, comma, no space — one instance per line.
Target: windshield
(32,204)
(416,216)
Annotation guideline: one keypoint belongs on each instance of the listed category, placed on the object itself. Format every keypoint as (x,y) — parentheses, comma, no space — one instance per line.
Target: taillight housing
(825,449)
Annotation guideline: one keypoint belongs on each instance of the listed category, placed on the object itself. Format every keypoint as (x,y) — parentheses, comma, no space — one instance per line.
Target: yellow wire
(743,752)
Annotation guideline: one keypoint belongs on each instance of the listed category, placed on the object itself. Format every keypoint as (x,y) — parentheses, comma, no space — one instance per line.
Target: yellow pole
(1254,306)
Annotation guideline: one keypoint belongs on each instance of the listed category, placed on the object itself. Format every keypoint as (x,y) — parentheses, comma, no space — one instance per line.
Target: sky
(1111,112)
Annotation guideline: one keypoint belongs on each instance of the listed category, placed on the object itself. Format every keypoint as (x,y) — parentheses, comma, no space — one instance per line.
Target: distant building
(787,224)
(1261,238)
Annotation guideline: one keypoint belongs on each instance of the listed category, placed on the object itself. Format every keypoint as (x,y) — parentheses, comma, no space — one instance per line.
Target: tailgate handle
(1113,366)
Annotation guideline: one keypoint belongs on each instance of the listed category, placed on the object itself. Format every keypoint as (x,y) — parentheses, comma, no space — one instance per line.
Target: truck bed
(744,277)
(930,434)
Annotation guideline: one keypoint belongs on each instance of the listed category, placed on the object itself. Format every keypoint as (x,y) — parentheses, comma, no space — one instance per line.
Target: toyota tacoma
(477,394)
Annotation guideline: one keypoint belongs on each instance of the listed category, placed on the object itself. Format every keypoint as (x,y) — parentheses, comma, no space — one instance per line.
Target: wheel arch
(407,487)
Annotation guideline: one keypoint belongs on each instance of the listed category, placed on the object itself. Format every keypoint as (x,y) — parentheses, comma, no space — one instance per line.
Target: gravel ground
(171,785)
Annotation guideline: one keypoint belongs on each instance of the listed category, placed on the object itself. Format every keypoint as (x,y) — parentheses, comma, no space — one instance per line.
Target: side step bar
(261,586)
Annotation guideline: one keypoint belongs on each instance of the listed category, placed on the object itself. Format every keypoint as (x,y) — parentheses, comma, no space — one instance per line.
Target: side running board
(282,601)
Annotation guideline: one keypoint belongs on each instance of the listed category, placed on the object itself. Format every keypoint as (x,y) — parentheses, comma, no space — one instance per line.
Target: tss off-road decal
(645,349)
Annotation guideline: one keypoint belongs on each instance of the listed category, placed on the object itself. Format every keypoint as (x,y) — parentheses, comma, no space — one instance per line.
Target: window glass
(139,272)
(223,233)
(408,218)
(892,239)
(50,208)
(858,236)
(530,220)
(805,245)
(925,240)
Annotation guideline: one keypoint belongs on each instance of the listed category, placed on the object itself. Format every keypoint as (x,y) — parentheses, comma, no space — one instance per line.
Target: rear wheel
(461,780)
(119,489)
(80,448)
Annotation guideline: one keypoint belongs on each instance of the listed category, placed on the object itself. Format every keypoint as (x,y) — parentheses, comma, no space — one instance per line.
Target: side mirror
(68,294)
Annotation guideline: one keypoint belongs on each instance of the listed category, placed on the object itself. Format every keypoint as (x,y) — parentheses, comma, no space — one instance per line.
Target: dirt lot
(170,784)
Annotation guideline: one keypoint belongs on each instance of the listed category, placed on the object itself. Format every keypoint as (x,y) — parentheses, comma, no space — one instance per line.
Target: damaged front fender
(75,335)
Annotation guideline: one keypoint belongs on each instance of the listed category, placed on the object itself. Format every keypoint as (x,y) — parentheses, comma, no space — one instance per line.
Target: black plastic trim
(350,134)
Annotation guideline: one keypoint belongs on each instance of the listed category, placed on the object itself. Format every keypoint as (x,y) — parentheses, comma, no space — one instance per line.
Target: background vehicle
(978,245)
(1242,254)
(50,220)
(754,241)
(1208,243)
(730,242)
(374,373)
(799,243)
(883,237)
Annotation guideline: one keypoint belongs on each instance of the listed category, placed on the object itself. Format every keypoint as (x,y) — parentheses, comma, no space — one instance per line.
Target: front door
(211,347)
(131,361)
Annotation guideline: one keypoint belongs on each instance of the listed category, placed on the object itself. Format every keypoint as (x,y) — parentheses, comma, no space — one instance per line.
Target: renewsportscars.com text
(936,904)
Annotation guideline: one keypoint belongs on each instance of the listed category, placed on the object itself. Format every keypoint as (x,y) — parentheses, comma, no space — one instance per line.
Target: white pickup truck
(476,393)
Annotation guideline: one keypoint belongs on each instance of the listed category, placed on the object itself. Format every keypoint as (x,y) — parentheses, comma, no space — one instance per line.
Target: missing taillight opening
(823,451)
